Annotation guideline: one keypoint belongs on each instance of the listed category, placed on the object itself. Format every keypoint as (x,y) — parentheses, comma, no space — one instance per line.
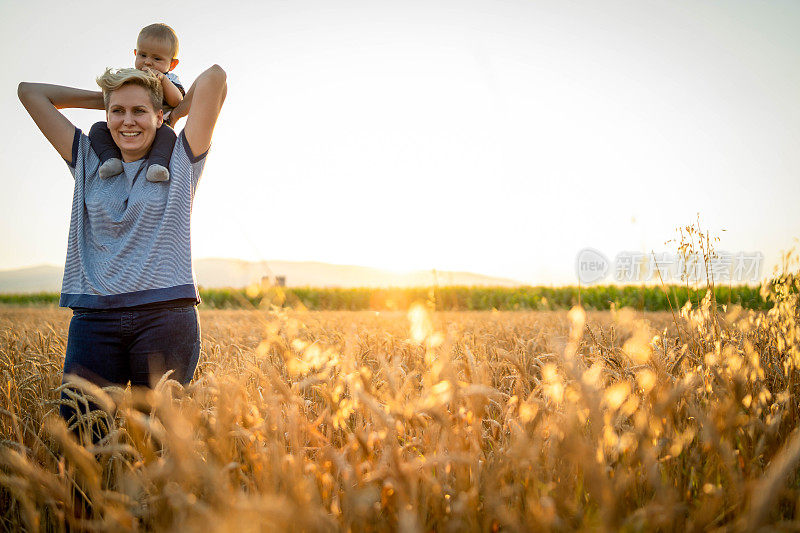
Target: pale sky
(498,137)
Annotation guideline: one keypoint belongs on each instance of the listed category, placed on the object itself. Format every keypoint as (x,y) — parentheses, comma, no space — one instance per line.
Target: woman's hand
(43,101)
(183,108)
(204,102)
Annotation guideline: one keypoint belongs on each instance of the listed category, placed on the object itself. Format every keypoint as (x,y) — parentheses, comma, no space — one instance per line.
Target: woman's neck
(130,157)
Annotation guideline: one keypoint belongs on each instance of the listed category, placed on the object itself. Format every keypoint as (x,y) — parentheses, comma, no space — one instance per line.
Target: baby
(156,51)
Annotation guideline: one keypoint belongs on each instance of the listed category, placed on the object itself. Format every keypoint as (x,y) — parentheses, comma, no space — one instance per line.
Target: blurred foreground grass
(421,421)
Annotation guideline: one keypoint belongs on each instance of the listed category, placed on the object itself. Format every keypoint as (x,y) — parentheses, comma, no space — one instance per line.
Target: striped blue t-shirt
(129,238)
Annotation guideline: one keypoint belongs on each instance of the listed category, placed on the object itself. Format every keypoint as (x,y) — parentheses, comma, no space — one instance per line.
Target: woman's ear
(159,117)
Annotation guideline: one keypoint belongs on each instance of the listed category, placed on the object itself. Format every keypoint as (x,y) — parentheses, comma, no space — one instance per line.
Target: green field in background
(648,298)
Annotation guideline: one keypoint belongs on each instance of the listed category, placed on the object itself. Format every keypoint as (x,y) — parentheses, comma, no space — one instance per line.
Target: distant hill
(43,278)
(214,273)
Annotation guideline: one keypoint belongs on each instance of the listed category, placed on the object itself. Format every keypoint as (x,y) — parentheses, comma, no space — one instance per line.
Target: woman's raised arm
(204,101)
(43,102)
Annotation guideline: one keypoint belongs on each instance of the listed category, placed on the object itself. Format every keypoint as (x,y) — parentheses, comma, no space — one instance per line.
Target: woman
(128,274)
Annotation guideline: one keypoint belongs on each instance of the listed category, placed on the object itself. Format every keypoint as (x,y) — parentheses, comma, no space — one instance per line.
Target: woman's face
(133,121)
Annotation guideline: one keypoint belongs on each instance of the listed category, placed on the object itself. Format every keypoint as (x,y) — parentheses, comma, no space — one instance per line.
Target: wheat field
(420,421)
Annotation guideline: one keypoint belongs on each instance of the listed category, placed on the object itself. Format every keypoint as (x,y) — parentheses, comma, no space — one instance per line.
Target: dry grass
(326,421)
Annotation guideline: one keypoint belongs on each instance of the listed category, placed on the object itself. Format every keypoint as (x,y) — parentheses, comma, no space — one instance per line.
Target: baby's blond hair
(113,79)
(162,32)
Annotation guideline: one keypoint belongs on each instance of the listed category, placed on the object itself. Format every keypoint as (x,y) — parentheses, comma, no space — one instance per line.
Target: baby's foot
(110,168)
(157,173)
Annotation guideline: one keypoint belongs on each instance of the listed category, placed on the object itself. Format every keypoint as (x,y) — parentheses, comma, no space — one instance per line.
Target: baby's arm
(172,95)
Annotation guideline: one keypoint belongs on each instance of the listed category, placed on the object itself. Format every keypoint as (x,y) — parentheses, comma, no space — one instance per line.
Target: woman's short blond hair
(113,79)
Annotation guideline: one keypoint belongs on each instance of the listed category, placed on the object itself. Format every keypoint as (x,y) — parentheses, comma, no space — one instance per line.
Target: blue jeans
(113,347)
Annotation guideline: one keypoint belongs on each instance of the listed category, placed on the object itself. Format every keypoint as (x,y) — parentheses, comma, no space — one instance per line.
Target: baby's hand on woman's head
(155,73)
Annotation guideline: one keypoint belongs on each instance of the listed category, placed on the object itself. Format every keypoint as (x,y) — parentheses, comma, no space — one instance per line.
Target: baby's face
(154,54)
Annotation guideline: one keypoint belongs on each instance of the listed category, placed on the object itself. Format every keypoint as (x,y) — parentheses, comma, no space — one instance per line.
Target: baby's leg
(160,154)
(106,149)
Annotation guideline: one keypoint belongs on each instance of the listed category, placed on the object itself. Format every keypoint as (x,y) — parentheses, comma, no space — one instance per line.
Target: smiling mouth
(129,134)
